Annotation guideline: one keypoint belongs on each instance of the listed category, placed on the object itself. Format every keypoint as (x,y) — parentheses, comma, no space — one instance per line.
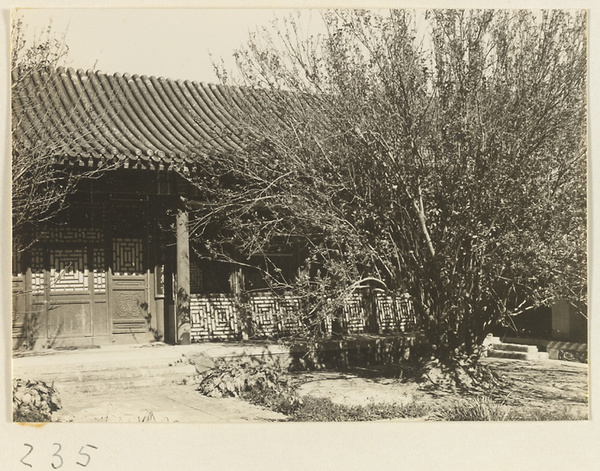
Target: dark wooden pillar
(170,291)
(182,309)
(370,309)
(236,285)
(156,264)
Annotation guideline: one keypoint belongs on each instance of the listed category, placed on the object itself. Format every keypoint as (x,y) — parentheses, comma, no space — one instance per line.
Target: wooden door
(129,287)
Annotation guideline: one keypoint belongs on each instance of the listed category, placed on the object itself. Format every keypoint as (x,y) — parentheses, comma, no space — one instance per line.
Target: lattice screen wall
(290,311)
(274,315)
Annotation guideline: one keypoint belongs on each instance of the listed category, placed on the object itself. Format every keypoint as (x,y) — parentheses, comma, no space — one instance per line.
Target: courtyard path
(142,384)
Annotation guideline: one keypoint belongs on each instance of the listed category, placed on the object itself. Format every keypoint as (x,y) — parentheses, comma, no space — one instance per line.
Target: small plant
(149,417)
(319,409)
(463,375)
(476,409)
(485,409)
(545,413)
(34,401)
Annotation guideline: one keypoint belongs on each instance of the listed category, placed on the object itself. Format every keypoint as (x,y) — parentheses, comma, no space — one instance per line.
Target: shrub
(265,384)
(270,386)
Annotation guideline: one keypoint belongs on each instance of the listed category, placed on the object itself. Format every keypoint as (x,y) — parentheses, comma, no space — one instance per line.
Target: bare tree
(44,172)
(442,153)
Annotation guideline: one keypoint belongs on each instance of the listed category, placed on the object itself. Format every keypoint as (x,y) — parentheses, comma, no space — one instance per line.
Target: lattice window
(37,270)
(127,256)
(70,234)
(195,279)
(68,269)
(99,270)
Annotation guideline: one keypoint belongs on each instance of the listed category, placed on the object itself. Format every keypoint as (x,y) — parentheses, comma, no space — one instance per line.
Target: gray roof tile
(144,121)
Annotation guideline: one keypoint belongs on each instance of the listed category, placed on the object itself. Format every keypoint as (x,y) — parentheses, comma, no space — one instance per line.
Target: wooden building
(116,266)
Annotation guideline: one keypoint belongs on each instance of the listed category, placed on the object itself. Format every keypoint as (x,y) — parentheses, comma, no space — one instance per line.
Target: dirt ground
(544,383)
(553,385)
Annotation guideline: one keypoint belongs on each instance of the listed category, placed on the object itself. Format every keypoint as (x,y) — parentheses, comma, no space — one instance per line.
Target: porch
(116,267)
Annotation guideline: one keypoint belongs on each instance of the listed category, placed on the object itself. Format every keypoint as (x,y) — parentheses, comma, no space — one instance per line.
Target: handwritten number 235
(57,459)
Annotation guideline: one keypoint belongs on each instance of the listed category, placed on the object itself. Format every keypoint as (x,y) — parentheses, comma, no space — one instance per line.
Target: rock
(202,363)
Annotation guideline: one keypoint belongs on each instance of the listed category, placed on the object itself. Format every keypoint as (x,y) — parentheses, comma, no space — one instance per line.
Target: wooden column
(236,284)
(182,309)
(371,321)
(156,259)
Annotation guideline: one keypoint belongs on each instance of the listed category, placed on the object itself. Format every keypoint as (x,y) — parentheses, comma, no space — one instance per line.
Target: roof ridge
(129,75)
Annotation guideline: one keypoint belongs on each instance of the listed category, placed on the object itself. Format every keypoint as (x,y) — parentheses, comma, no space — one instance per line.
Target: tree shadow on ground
(537,384)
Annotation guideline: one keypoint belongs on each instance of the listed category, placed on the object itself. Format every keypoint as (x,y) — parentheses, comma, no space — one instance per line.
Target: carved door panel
(129,287)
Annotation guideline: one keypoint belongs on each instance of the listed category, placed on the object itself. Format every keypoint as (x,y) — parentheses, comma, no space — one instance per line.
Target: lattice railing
(216,317)
(273,315)
(354,314)
(395,313)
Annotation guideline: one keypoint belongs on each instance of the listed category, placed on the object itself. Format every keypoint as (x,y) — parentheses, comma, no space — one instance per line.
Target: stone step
(98,361)
(513,347)
(100,386)
(89,364)
(513,355)
(108,374)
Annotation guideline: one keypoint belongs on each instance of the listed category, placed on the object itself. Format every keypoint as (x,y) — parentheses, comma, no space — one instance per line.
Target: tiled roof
(143,122)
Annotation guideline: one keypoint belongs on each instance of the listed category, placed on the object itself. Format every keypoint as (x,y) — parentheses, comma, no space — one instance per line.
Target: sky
(170,43)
